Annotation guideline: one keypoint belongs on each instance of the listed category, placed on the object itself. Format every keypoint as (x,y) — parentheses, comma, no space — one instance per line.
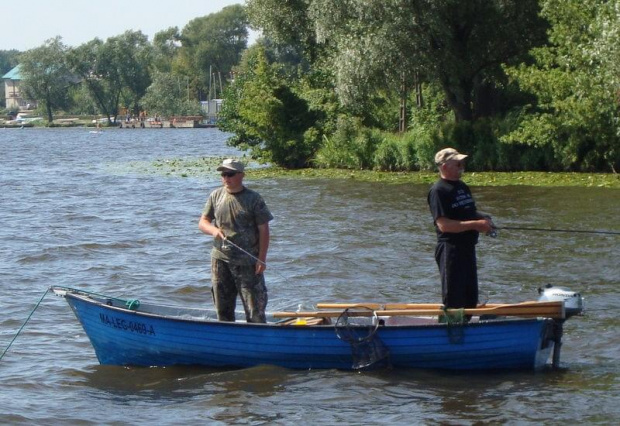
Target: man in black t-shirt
(458,225)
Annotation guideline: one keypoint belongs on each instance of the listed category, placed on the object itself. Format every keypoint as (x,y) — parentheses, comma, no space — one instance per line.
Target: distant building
(12,93)
(212,109)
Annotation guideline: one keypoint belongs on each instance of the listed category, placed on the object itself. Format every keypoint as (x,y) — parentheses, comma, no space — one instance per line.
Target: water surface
(82,210)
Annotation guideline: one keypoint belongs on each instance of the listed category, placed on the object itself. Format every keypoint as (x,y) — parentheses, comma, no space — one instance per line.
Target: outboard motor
(573,305)
(573,301)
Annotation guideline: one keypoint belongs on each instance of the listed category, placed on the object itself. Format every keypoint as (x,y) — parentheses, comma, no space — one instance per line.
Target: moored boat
(131,333)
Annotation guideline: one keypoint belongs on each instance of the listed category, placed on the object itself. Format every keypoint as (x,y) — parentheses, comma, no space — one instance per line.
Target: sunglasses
(228,174)
(458,163)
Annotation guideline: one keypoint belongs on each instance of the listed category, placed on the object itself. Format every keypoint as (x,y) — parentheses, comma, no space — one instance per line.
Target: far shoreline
(186,167)
(198,167)
(541,179)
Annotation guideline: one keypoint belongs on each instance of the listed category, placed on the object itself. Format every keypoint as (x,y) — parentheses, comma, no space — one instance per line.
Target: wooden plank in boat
(527,309)
(390,306)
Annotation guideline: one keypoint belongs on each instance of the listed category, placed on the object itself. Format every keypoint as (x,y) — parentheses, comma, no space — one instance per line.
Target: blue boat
(131,333)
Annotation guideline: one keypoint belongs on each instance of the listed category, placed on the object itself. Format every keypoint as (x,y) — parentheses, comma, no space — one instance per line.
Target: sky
(26,25)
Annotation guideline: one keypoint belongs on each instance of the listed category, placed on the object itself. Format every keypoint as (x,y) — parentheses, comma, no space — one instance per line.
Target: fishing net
(455,321)
(358,327)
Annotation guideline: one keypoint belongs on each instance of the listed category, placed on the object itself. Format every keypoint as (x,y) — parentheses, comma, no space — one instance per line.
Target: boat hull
(127,337)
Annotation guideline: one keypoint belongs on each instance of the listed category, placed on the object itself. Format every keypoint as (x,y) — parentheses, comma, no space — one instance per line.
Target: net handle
(344,317)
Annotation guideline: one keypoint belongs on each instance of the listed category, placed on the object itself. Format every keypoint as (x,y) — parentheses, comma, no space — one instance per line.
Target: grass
(205,166)
(602,180)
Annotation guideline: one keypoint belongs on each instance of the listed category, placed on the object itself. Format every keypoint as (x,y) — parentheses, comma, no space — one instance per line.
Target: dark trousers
(459,274)
(229,281)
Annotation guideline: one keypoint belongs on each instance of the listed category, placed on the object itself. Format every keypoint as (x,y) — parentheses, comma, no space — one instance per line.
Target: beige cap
(448,154)
(232,165)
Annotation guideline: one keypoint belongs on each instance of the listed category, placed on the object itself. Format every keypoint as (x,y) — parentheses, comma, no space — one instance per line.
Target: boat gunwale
(99,300)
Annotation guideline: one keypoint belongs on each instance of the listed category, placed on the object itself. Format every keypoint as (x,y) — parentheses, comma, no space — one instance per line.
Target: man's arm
(263,246)
(205,225)
(453,226)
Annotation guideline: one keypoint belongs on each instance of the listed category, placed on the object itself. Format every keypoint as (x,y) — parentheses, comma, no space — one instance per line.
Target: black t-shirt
(453,200)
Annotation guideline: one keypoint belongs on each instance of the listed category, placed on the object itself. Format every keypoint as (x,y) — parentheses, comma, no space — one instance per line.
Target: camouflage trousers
(228,281)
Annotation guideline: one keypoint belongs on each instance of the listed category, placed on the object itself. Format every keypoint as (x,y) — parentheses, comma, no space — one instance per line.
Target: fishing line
(23,325)
(251,256)
(578,231)
(244,251)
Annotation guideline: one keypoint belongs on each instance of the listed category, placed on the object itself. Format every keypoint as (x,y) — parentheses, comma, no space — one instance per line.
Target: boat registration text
(131,326)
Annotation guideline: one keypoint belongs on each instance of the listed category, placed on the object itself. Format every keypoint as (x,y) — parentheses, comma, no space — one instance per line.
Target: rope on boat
(24,324)
(455,321)
(131,304)
(454,317)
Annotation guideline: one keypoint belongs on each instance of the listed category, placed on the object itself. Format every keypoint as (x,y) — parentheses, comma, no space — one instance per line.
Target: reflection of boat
(127,332)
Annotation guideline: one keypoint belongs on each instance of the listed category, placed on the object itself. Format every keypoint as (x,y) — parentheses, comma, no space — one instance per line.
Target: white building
(12,93)
(212,109)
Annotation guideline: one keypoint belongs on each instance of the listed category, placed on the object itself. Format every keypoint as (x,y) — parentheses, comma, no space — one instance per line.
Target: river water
(88,210)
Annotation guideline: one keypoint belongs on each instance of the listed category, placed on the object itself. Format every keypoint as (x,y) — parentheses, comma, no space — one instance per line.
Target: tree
(576,80)
(212,44)
(267,116)
(166,46)
(46,76)
(167,96)
(95,65)
(114,69)
(132,55)
(460,45)
(286,23)
(8,60)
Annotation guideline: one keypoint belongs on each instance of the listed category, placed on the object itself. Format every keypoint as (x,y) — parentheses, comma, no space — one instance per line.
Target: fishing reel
(493,232)
(573,302)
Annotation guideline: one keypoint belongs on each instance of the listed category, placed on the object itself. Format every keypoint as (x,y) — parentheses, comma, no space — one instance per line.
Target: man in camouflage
(238,219)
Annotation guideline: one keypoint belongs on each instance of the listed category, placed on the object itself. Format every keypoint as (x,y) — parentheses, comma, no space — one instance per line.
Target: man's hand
(260,267)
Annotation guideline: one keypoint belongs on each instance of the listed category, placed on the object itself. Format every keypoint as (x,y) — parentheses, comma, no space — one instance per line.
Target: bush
(477,139)
(424,147)
(347,147)
(387,155)
(397,152)
(353,146)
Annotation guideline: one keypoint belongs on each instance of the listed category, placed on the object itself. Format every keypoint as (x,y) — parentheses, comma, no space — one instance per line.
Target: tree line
(166,76)
(362,84)
(516,84)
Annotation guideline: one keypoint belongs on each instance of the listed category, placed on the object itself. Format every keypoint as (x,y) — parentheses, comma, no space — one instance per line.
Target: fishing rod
(577,231)
(227,241)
